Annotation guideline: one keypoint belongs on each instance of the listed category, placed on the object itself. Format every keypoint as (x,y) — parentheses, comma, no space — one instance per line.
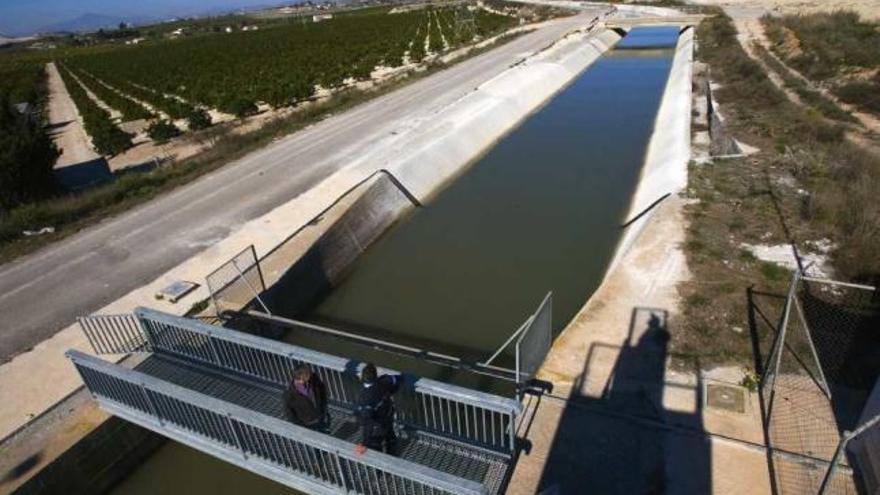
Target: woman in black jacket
(305,400)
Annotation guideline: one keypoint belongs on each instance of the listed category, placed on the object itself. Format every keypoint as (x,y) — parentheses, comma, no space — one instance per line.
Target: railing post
(213,348)
(341,472)
(235,435)
(512,432)
(150,403)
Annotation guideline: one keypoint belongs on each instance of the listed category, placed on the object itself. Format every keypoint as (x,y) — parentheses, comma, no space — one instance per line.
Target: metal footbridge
(220,391)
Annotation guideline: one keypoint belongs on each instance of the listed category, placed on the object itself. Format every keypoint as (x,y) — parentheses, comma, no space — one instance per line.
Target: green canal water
(541,211)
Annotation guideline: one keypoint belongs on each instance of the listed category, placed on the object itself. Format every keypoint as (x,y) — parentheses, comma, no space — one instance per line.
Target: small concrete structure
(631,22)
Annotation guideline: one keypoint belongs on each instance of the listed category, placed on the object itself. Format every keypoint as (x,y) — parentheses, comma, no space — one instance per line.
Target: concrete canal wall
(442,150)
(666,161)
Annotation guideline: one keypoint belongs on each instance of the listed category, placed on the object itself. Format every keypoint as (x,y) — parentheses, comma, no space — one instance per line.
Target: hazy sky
(19,17)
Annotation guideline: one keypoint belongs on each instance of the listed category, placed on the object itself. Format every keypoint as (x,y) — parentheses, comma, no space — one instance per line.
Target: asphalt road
(42,293)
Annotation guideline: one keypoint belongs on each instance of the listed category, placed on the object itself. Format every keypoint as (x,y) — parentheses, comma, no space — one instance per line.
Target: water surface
(539,212)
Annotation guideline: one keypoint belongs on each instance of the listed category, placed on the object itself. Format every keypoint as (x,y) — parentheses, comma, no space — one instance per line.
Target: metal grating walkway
(483,466)
(221,391)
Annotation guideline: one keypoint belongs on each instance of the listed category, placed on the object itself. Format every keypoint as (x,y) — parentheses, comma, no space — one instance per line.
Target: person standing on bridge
(375,408)
(305,400)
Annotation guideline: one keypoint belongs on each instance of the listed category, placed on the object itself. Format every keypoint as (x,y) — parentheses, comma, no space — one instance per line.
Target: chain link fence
(822,368)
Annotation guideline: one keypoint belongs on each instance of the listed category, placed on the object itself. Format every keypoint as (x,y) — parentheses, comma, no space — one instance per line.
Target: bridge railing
(302,458)
(463,414)
(114,334)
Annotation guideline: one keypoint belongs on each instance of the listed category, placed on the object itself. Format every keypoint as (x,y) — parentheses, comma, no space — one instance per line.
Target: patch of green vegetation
(828,43)
(68,214)
(162,130)
(774,272)
(808,95)
(803,160)
(863,94)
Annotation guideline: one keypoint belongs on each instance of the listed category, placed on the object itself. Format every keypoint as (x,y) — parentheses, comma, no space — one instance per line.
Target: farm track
(45,291)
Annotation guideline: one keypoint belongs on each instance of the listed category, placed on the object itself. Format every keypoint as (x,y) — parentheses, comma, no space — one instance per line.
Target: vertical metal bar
(259,268)
(800,311)
(152,406)
(512,431)
(214,354)
(781,336)
(829,473)
(251,287)
(234,435)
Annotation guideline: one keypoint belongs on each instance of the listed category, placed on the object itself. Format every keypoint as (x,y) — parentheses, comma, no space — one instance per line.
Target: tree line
(279,65)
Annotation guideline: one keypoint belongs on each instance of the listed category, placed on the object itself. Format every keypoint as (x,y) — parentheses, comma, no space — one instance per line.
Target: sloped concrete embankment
(665,170)
(437,155)
(378,204)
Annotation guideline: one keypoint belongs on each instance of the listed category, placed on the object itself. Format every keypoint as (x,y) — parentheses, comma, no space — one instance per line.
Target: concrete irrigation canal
(541,211)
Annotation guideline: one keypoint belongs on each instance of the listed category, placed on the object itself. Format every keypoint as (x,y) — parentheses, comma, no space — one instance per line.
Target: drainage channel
(542,211)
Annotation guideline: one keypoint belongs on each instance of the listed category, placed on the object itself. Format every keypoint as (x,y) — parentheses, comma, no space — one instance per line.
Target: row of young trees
(130,109)
(280,65)
(27,153)
(107,138)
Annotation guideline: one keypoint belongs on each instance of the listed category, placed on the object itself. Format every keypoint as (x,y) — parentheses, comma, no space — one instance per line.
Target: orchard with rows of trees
(280,65)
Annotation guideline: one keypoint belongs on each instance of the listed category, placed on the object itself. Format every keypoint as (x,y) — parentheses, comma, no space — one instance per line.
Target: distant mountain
(84,23)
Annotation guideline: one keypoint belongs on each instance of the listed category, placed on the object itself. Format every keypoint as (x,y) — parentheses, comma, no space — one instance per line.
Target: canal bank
(553,118)
(47,376)
(634,417)
(462,273)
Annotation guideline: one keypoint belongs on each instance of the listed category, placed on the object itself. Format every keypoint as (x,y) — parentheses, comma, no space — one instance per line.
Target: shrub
(865,95)
(162,130)
(198,119)
(240,107)
(27,155)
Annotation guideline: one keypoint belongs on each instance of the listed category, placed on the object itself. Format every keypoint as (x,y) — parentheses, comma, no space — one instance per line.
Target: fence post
(825,387)
(780,339)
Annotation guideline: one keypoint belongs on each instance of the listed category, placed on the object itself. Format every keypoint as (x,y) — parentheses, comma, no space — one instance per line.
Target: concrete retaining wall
(666,162)
(376,208)
(443,150)
(106,456)
(458,137)
(722,143)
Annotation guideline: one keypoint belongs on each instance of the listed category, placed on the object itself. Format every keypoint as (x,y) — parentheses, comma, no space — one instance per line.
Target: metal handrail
(488,420)
(485,368)
(275,441)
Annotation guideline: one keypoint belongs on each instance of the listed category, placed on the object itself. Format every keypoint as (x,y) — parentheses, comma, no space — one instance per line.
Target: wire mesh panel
(237,282)
(825,361)
(113,334)
(534,342)
(296,456)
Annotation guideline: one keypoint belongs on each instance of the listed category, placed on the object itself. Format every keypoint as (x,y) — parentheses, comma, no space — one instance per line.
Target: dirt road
(43,292)
(64,124)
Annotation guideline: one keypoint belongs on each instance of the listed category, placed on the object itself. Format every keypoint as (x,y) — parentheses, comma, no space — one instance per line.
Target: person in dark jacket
(305,400)
(375,409)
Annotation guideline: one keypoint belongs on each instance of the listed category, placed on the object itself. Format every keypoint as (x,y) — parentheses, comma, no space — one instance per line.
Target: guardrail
(462,414)
(296,456)
(114,334)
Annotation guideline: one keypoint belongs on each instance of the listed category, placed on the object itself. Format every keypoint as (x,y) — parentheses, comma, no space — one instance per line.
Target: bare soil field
(65,125)
(868,9)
